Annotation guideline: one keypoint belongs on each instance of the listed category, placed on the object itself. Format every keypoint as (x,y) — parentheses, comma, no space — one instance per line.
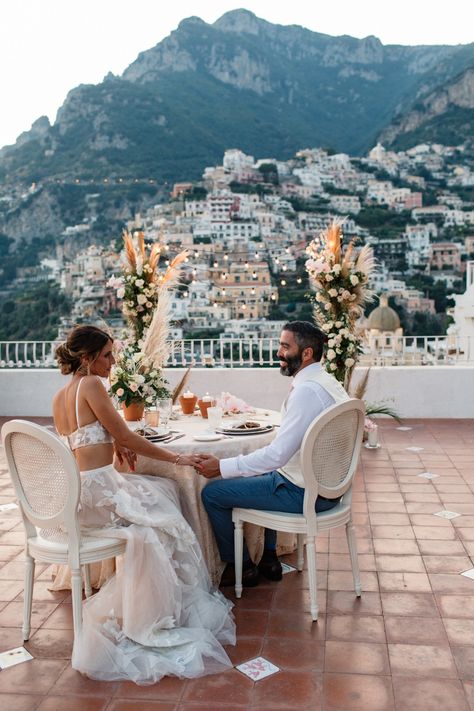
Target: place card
(8,507)
(257,668)
(286,568)
(414,449)
(404,429)
(468,573)
(14,656)
(428,475)
(446,514)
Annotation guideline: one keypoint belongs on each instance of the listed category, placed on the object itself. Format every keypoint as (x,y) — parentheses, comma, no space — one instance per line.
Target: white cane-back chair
(328,458)
(47,483)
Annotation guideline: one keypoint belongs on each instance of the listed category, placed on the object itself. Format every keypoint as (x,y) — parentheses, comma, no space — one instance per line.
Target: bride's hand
(123,454)
(186,460)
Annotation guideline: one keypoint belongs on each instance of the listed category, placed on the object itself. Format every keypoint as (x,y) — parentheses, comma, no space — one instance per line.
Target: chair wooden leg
(313,583)
(300,551)
(238,555)
(352,545)
(87,580)
(28,596)
(76,592)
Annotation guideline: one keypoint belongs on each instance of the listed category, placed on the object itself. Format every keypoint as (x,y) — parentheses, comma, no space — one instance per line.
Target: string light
(283,282)
(254,274)
(257,255)
(215,265)
(226,257)
(299,280)
(273,297)
(246,265)
(284,268)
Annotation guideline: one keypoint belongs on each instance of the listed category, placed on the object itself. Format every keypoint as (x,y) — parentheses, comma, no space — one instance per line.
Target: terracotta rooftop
(407,644)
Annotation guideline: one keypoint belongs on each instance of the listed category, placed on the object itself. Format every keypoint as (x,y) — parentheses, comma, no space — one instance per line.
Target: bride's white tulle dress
(158,615)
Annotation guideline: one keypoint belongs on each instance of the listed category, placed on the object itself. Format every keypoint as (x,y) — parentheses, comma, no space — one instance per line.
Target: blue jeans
(269,492)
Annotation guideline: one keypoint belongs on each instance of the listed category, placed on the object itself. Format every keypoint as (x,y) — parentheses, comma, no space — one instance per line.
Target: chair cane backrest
(44,473)
(330,450)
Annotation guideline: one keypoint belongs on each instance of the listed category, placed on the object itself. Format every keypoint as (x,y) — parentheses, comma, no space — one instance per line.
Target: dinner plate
(153,433)
(209,437)
(236,431)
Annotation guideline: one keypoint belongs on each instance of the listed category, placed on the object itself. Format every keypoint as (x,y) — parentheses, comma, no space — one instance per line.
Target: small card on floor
(414,449)
(404,429)
(14,656)
(428,475)
(287,568)
(8,507)
(469,573)
(447,514)
(257,668)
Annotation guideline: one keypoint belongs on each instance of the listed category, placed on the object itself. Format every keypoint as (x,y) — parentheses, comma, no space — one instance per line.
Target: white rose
(137,356)
(354,279)
(327,326)
(139,283)
(120,293)
(332,293)
(139,379)
(133,387)
(141,299)
(338,324)
(329,277)
(349,362)
(331,343)
(120,392)
(330,355)
(327,307)
(333,366)
(337,269)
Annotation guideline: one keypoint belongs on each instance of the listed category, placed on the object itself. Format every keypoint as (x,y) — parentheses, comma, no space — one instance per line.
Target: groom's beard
(293,364)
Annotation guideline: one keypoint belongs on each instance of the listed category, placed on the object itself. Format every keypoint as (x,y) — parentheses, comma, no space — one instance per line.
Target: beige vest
(333,387)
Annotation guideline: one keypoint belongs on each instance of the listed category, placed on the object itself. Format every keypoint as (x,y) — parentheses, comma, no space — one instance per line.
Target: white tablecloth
(190,483)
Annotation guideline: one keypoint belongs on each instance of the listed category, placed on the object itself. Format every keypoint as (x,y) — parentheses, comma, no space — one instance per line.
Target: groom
(270,478)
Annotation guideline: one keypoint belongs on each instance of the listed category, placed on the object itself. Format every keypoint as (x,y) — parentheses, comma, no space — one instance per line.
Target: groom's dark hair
(307,335)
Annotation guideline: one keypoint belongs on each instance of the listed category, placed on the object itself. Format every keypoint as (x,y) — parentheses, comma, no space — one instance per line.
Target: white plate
(236,432)
(211,437)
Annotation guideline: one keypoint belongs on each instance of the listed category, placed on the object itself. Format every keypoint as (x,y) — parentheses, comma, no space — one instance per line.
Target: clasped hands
(205,464)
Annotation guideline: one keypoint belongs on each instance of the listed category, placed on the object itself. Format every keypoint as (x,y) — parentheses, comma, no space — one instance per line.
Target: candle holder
(373,438)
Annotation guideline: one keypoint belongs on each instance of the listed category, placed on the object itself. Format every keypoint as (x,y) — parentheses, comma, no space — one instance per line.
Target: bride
(157,615)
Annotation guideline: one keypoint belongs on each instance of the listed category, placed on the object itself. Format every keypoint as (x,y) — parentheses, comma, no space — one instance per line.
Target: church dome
(383,318)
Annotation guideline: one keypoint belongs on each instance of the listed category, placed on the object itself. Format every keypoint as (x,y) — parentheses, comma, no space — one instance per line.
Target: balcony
(407,644)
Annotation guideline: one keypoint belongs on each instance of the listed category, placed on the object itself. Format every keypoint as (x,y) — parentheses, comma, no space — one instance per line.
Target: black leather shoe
(250,576)
(270,567)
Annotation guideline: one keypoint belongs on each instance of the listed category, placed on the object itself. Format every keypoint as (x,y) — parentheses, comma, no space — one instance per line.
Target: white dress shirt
(306,400)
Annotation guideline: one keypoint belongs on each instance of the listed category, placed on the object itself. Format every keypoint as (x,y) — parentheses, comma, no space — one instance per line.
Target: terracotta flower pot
(134,411)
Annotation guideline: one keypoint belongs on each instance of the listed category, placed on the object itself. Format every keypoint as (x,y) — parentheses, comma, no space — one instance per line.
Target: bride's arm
(101,405)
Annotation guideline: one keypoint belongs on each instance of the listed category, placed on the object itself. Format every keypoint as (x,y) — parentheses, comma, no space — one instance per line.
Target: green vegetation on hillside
(33,315)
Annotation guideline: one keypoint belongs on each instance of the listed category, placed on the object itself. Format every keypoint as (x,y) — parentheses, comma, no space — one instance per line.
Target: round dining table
(185,438)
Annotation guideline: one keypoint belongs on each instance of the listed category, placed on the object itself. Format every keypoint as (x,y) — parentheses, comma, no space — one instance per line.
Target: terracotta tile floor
(406,644)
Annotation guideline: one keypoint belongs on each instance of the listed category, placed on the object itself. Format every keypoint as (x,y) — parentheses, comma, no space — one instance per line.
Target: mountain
(440,116)
(266,89)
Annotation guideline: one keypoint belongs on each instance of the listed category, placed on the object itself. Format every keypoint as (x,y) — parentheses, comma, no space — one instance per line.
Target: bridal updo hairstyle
(81,341)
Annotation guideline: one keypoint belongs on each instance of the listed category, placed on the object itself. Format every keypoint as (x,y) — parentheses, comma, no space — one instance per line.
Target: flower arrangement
(232,405)
(137,374)
(340,280)
(134,380)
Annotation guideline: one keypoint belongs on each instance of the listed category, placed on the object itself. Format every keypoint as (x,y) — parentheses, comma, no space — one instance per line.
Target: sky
(48,47)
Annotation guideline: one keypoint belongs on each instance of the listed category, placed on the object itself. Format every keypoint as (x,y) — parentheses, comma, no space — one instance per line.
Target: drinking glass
(164,406)
(214,417)
(152,417)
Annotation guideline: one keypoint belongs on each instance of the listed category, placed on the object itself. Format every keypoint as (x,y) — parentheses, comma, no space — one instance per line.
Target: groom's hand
(208,466)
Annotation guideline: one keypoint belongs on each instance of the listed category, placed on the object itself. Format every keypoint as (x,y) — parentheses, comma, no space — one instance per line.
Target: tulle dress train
(157,615)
